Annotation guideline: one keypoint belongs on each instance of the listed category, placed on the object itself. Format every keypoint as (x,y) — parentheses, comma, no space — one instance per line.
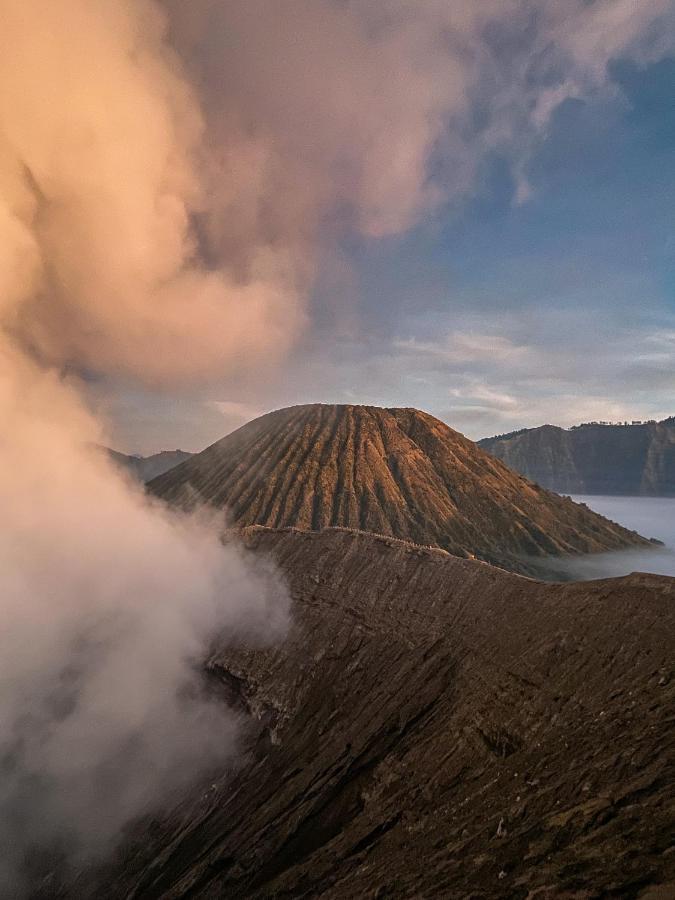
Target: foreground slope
(630,460)
(434,727)
(396,472)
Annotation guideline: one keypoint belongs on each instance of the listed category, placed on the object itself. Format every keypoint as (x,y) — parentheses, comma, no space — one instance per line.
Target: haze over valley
(653,516)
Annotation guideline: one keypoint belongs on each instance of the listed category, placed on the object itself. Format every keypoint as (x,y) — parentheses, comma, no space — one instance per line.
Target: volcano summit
(396,472)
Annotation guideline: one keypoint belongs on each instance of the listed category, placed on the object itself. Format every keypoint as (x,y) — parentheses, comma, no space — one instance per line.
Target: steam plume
(107,606)
(107,602)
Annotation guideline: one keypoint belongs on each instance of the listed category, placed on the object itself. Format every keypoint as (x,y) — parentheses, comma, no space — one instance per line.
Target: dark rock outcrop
(629,460)
(433,727)
(397,472)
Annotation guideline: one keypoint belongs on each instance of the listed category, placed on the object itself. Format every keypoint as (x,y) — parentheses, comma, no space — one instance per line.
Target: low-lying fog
(653,517)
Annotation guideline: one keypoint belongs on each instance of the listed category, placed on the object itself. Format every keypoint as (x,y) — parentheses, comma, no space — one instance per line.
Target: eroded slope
(434,727)
(396,472)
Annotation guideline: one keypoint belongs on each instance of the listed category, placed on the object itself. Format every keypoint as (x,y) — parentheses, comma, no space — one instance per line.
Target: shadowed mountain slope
(145,468)
(629,460)
(395,472)
(433,727)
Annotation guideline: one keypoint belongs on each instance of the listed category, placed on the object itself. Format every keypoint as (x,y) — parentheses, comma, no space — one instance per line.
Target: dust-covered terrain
(432,727)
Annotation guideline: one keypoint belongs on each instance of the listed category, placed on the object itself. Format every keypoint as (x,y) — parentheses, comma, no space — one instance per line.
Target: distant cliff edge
(147,467)
(630,460)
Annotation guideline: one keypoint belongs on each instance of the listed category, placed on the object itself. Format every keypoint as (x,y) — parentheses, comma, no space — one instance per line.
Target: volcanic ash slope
(434,727)
(397,472)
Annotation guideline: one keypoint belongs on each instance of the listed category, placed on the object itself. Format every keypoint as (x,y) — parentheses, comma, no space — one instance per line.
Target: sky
(538,283)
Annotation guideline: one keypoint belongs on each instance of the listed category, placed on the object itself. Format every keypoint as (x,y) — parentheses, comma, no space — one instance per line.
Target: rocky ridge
(433,727)
(630,460)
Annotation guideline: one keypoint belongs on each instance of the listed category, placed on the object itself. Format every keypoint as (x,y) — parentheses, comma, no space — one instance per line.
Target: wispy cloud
(480,396)
(465,347)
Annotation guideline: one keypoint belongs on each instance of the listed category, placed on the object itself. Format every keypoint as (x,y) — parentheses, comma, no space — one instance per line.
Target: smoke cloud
(169,175)
(108,604)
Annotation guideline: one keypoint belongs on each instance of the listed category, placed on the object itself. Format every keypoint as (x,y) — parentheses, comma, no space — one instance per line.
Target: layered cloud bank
(169,175)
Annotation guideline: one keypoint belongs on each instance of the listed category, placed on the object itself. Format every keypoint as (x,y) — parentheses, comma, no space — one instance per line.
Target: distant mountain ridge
(397,472)
(146,468)
(596,458)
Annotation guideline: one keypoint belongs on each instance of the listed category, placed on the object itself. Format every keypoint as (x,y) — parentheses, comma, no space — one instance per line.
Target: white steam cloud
(167,174)
(108,604)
